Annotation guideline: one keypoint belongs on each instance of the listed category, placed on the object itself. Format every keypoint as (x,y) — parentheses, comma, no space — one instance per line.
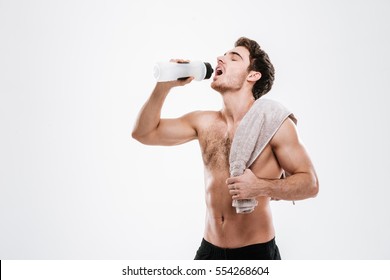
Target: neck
(236,105)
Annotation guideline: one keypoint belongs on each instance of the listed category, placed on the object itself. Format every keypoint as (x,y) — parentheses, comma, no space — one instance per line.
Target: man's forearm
(295,187)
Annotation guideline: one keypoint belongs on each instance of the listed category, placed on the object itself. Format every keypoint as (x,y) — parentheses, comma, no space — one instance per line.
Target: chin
(215,86)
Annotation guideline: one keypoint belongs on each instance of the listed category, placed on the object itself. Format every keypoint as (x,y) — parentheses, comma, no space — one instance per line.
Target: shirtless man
(242,75)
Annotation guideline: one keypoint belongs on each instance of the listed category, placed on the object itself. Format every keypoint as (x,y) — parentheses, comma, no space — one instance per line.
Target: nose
(220,59)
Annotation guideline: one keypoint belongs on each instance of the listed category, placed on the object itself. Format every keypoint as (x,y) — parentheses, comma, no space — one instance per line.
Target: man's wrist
(266,187)
(163,87)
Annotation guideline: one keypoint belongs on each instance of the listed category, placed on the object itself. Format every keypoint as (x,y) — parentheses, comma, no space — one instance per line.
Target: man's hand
(180,82)
(246,186)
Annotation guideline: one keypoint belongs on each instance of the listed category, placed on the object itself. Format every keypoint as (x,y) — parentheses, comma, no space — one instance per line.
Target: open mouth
(218,71)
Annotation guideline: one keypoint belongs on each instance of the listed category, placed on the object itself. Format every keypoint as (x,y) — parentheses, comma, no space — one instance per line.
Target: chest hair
(216,149)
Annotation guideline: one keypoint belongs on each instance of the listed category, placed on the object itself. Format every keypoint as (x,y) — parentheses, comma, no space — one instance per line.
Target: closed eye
(234,56)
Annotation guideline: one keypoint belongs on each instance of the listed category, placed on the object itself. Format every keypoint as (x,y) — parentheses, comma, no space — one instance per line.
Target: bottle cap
(209,70)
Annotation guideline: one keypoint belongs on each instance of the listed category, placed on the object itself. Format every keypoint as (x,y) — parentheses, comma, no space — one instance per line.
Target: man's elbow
(146,139)
(139,137)
(314,187)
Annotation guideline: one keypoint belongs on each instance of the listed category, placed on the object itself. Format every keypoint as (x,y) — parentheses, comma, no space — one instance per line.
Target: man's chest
(215,142)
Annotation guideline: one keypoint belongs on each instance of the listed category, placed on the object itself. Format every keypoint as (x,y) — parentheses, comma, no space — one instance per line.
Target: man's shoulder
(273,109)
(204,115)
(204,119)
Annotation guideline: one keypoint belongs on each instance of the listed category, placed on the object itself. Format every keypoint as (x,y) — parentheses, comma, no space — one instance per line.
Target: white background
(74,74)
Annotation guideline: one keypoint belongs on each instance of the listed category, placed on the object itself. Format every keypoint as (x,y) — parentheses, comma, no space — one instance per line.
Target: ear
(253,76)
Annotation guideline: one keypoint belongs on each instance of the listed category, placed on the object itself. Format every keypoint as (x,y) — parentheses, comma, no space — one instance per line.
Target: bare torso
(225,228)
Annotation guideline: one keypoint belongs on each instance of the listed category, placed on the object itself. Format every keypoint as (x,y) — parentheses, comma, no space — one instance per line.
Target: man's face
(232,70)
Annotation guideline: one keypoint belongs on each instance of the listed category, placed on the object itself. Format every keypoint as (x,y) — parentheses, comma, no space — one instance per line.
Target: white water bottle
(171,71)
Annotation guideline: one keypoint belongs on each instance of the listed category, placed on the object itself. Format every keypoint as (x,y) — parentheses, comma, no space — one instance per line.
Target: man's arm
(150,129)
(293,158)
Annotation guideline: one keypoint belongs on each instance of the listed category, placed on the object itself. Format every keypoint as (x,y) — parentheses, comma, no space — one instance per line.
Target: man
(242,75)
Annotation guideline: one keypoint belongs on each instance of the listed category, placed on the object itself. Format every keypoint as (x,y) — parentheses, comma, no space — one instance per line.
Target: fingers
(184,81)
(234,191)
(231,180)
(179,60)
(181,81)
(233,187)
(177,83)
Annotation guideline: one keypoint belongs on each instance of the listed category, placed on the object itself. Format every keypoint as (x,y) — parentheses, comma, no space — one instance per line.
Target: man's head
(259,62)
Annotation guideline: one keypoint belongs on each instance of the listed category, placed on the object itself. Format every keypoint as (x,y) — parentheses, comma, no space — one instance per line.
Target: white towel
(254,132)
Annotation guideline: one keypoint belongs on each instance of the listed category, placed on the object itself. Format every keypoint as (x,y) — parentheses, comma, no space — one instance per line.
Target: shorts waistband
(220,250)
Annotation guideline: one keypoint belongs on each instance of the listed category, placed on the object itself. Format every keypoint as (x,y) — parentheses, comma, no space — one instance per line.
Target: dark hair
(259,61)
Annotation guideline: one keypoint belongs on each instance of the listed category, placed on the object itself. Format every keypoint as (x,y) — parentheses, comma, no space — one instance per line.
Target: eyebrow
(234,53)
